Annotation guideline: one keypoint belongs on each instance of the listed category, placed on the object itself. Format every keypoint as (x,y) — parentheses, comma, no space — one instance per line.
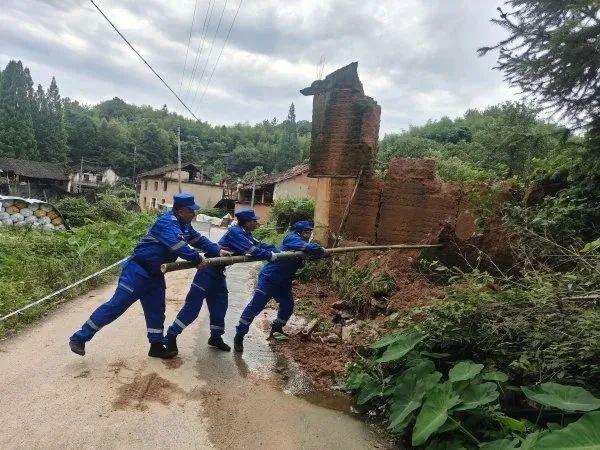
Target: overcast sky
(417,58)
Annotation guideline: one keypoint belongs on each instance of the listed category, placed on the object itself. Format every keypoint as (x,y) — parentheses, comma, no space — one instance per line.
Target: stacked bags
(19,213)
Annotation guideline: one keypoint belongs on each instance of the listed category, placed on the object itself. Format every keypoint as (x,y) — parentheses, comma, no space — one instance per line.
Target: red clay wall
(408,206)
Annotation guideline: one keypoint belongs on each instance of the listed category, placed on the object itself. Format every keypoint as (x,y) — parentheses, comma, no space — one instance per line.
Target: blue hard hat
(302,225)
(185,199)
(246,215)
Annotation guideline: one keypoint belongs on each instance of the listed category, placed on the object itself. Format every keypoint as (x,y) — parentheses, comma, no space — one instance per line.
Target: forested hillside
(37,124)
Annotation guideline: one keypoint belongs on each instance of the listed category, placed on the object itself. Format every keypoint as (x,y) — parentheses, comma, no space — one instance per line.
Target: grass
(34,263)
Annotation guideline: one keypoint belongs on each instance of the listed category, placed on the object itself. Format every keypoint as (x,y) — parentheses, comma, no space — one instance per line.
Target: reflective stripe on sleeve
(244,321)
(198,287)
(216,327)
(180,323)
(177,246)
(262,292)
(193,241)
(155,330)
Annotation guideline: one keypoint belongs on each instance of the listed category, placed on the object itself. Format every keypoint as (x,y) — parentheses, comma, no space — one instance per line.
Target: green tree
(57,138)
(289,152)
(41,116)
(553,54)
(17,136)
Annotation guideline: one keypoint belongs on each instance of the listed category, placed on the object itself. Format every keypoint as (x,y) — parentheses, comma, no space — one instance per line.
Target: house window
(162,202)
(86,177)
(153,204)
(156,185)
(146,184)
(165,183)
(98,178)
(145,202)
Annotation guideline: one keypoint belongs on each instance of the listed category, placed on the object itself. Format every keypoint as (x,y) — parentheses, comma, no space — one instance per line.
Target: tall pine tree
(17,137)
(57,138)
(289,153)
(41,123)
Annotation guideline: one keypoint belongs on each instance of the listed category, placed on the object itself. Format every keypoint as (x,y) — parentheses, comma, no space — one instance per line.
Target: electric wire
(220,53)
(205,27)
(188,47)
(144,60)
(212,45)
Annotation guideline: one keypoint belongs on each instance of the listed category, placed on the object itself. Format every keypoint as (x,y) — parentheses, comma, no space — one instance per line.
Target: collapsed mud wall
(409,205)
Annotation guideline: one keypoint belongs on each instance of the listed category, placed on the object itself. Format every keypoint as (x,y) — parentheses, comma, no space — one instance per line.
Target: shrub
(286,211)
(270,235)
(76,210)
(110,207)
(214,212)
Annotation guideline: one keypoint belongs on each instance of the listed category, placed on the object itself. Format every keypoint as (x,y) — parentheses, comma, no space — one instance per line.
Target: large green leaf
(434,412)
(581,435)
(500,444)
(401,347)
(500,377)
(408,396)
(464,370)
(478,394)
(530,441)
(386,340)
(368,391)
(566,398)
(513,424)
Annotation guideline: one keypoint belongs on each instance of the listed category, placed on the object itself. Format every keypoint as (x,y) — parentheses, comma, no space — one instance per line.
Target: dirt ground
(118,397)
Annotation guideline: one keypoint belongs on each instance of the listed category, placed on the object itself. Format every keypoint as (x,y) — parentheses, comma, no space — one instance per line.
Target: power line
(212,45)
(220,53)
(205,26)
(145,62)
(188,46)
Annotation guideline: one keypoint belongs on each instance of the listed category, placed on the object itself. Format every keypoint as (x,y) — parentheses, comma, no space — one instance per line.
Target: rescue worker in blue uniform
(275,281)
(169,238)
(209,283)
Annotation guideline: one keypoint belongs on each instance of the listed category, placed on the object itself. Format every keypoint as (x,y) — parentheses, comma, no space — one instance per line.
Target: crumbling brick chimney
(345,125)
(345,133)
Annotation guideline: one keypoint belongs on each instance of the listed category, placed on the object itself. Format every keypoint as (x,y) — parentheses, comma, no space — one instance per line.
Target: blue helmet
(246,215)
(184,199)
(302,225)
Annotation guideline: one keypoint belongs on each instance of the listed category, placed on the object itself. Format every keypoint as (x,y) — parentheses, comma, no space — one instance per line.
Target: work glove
(224,252)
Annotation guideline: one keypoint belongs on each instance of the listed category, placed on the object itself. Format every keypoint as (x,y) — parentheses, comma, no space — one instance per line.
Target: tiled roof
(35,169)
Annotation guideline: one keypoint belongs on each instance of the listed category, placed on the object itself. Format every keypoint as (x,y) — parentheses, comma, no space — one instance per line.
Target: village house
(293,183)
(33,179)
(158,186)
(92,177)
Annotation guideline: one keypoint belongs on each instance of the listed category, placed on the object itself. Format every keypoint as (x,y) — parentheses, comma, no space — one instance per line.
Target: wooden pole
(347,210)
(229,260)
(179,157)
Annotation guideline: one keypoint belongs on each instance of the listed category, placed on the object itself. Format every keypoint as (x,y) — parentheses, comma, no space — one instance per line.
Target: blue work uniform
(210,284)
(275,281)
(142,280)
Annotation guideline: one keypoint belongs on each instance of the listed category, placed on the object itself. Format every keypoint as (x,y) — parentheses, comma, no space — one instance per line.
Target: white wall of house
(299,186)
(159,191)
(89,179)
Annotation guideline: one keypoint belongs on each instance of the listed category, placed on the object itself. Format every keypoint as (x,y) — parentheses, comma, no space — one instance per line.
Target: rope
(60,291)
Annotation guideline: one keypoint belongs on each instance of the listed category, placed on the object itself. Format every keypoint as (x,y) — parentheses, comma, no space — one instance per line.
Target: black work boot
(277,329)
(158,350)
(172,344)
(77,347)
(217,342)
(238,343)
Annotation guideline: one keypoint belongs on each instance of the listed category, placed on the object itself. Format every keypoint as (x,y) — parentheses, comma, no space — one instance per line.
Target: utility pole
(133,176)
(80,174)
(179,156)
(253,189)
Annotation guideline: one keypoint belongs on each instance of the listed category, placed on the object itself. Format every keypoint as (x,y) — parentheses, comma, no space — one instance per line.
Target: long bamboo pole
(228,260)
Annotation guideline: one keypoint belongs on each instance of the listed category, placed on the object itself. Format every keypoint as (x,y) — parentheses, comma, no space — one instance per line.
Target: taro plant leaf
(530,441)
(434,412)
(581,435)
(500,377)
(464,370)
(566,398)
(355,380)
(408,396)
(435,355)
(500,444)
(401,347)
(513,424)
(444,444)
(368,391)
(478,394)
(386,340)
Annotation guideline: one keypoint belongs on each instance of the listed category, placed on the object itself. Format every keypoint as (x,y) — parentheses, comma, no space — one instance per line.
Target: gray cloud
(417,59)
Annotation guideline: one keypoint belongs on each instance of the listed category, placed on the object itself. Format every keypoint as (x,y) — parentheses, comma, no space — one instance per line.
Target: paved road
(117,397)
